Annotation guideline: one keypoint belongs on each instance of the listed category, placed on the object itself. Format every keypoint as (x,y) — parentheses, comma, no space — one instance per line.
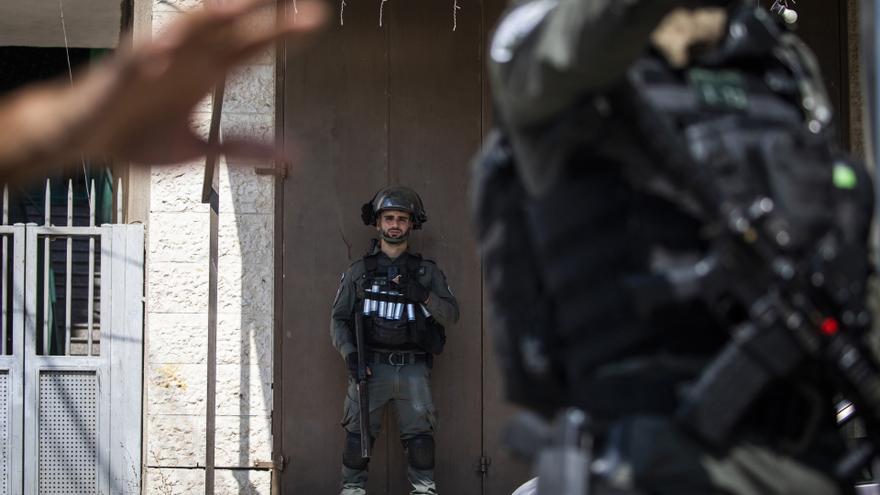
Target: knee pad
(420,451)
(351,454)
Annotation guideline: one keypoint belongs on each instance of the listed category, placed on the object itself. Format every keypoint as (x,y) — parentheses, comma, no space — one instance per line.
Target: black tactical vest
(391,322)
(573,274)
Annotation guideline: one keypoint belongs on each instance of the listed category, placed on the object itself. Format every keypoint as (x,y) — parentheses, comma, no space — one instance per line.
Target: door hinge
(279,170)
(483,467)
(280,462)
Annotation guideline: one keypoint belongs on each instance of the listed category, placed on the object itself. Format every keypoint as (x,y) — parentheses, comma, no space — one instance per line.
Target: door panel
(335,106)
(435,128)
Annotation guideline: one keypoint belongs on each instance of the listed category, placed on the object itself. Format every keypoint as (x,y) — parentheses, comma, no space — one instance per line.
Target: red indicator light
(830,326)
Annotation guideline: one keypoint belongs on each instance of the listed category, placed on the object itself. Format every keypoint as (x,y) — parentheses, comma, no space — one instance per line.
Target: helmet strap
(395,240)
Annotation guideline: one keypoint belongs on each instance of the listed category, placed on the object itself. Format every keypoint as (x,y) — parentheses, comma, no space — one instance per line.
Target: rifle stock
(362,387)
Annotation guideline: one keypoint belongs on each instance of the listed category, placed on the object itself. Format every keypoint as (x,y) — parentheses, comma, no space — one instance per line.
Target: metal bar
(212,158)
(211,196)
(63,363)
(119,218)
(30,357)
(112,294)
(47,254)
(16,470)
(68,273)
(210,420)
(64,231)
(91,282)
(4,302)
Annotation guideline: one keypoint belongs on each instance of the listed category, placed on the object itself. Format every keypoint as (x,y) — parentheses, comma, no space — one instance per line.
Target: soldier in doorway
(405,305)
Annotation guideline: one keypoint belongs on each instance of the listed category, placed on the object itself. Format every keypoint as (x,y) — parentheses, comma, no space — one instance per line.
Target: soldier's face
(394,224)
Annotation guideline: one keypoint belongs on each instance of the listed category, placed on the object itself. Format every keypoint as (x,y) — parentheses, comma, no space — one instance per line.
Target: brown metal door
(369,106)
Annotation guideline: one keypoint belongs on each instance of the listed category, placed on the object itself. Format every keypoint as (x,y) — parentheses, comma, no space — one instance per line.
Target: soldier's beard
(395,240)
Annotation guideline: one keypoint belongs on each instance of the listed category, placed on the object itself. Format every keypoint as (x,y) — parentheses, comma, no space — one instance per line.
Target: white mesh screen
(4,432)
(68,417)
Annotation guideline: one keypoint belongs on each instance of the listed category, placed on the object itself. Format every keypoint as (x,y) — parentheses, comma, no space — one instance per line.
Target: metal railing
(68,259)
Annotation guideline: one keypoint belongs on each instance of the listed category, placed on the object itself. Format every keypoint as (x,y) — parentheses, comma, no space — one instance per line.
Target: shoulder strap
(371,263)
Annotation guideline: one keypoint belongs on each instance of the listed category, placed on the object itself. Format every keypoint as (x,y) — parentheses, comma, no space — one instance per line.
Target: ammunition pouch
(392,321)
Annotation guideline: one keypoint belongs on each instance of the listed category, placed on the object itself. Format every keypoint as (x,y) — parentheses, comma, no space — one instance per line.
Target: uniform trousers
(407,389)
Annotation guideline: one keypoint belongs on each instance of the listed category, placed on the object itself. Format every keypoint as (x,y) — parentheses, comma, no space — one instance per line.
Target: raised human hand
(137,106)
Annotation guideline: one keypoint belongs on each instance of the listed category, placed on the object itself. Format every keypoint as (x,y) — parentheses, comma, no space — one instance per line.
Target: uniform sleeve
(442,303)
(340,315)
(547,54)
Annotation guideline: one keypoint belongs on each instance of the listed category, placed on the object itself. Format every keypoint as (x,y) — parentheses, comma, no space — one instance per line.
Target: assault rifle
(787,262)
(789,321)
(362,386)
(790,295)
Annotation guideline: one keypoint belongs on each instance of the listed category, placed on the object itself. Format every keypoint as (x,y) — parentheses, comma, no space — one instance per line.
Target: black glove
(351,362)
(413,290)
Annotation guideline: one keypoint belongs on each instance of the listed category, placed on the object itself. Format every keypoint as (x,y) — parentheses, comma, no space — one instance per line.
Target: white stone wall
(177,298)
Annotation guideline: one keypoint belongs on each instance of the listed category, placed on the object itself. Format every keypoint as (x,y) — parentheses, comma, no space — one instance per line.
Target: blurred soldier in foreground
(388,321)
(136,106)
(675,250)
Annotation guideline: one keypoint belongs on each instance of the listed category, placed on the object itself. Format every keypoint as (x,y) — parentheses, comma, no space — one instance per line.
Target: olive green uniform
(546,57)
(406,387)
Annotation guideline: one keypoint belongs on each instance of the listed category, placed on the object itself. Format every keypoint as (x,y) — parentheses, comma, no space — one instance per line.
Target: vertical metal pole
(119,201)
(4,302)
(47,254)
(90,305)
(69,266)
(210,420)
(211,196)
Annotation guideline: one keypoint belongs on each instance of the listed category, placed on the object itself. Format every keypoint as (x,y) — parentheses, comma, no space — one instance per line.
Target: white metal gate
(70,390)
(11,358)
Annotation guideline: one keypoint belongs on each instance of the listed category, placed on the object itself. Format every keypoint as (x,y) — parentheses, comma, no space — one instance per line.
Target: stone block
(243,440)
(242,482)
(243,191)
(248,238)
(175,440)
(181,237)
(177,389)
(244,338)
(167,481)
(178,338)
(250,89)
(178,287)
(244,390)
(177,188)
(258,126)
(166,10)
(161,20)
(175,5)
(245,288)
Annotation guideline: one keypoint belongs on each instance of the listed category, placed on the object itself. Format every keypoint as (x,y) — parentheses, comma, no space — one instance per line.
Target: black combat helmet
(399,198)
